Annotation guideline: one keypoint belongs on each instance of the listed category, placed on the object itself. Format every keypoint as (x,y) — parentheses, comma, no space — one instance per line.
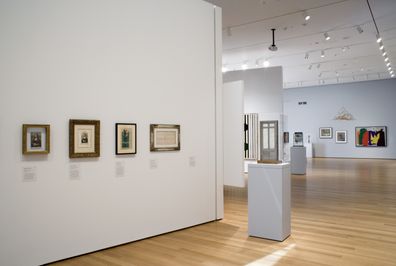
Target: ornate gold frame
(24,140)
(72,124)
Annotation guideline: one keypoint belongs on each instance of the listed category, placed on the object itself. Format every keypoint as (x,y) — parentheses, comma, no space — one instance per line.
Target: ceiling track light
(384,53)
(359,29)
(273,47)
(388,64)
(381,46)
(306,55)
(327,37)
(379,39)
(310,67)
(389,68)
(386,59)
(322,54)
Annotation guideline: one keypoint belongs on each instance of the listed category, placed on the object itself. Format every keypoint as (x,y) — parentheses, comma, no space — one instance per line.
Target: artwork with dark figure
(35,139)
(84,137)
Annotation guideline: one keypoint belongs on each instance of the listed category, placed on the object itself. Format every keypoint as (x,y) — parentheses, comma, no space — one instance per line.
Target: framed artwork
(341,136)
(84,138)
(326,133)
(35,139)
(125,138)
(164,137)
(371,136)
(285,137)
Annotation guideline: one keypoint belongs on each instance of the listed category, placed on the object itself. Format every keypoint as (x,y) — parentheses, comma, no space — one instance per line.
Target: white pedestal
(309,149)
(269,201)
(298,160)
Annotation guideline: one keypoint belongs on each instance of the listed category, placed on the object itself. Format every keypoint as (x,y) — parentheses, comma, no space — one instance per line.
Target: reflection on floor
(343,213)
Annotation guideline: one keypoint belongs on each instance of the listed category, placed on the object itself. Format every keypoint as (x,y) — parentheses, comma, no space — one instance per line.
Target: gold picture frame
(164,137)
(35,139)
(84,138)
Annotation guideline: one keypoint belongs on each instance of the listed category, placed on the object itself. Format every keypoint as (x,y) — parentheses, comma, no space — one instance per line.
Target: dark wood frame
(320,129)
(154,126)
(72,124)
(286,137)
(47,139)
(117,152)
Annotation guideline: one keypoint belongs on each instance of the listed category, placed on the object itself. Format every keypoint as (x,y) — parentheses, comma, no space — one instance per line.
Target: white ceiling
(349,56)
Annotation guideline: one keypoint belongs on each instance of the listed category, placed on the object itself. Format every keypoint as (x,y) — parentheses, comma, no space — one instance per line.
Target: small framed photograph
(84,138)
(341,136)
(164,137)
(326,133)
(125,138)
(35,139)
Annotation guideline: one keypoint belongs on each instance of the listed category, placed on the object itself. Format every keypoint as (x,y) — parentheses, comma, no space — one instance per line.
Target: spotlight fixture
(389,68)
(384,53)
(306,55)
(393,75)
(381,46)
(386,59)
(322,54)
(388,64)
(359,29)
(379,39)
(327,37)
(306,16)
(391,72)
(266,63)
(273,47)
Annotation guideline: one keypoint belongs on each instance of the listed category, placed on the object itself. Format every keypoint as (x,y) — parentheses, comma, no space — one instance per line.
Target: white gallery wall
(115,61)
(372,103)
(233,110)
(262,94)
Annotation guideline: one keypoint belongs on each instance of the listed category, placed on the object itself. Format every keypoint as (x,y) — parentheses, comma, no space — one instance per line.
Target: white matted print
(164,137)
(326,133)
(341,136)
(84,138)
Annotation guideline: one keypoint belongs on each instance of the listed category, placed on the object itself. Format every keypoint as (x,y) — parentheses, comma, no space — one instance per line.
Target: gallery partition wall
(132,63)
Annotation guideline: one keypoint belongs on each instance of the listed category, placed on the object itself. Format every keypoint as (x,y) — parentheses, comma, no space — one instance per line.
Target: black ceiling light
(273,47)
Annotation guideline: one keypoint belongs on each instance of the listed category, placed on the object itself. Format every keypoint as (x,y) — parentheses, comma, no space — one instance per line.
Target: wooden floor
(343,213)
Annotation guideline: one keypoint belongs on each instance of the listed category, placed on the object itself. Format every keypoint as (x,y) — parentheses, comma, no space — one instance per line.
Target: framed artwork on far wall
(326,133)
(341,136)
(35,139)
(371,136)
(84,138)
(125,138)
(285,137)
(164,137)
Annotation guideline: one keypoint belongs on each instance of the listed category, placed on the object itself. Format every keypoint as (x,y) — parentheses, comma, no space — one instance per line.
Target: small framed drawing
(164,137)
(84,138)
(341,136)
(326,133)
(125,138)
(35,139)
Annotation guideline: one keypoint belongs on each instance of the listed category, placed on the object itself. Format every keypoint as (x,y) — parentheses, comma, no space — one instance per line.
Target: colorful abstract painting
(370,136)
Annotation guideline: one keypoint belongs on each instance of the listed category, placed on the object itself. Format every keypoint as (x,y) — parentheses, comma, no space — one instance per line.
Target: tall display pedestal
(298,160)
(269,201)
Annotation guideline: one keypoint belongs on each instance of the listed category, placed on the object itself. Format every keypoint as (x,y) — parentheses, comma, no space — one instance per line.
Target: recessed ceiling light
(327,37)
(391,72)
(388,64)
(266,63)
(389,68)
(386,59)
(384,53)
(306,16)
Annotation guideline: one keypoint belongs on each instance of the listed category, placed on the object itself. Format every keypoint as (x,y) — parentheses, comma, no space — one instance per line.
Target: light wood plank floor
(343,213)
